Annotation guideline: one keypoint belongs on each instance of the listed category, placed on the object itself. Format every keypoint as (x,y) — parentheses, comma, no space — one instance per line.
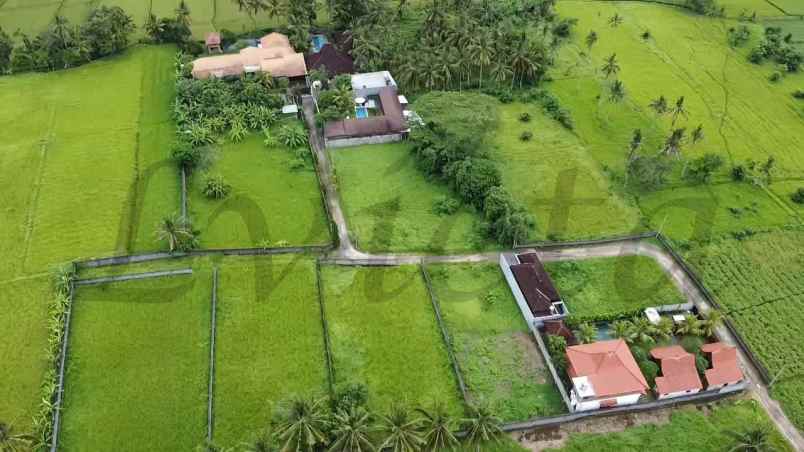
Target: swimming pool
(318,42)
(361,112)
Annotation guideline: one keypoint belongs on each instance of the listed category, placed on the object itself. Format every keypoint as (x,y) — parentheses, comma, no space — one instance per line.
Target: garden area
(500,361)
(385,337)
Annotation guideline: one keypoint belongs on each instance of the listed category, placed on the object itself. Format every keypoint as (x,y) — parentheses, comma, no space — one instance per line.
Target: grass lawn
(556,179)
(270,344)
(501,363)
(384,335)
(138,365)
(388,203)
(689,429)
(604,287)
(269,204)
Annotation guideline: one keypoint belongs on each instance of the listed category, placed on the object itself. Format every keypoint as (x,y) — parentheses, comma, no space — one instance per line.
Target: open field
(270,204)
(758,281)
(555,178)
(388,203)
(138,365)
(384,335)
(500,361)
(601,288)
(688,429)
(270,344)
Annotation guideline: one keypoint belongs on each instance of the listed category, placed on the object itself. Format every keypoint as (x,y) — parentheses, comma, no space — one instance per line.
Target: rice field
(384,335)
(138,365)
(270,345)
(269,205)
(499,359)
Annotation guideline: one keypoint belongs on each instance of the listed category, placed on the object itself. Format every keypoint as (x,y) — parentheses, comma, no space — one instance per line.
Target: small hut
(213,42)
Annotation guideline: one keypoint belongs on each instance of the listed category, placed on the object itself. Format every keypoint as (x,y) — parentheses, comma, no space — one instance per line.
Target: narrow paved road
(347,254)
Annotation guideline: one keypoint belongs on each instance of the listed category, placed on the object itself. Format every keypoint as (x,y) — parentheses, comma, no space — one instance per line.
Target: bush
(216,187)
(650,370)
(798,196)
(738,173)
(446,206)
(701,169)
(691,344)
(524,117)
(775,77)
(526,136)
(351,396)
(798,94)
(649,172)
(292,136)
(190,157)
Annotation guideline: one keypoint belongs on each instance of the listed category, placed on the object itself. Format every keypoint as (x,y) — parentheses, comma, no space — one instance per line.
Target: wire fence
(212,334)
(62,362)
(132,277)
(325,330)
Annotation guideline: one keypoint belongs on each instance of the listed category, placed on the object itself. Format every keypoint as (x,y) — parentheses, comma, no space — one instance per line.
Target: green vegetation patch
(499,359)
(384,335)
(689,429)
(269,205)
(138,365)
(608,288)
(390,205)
(270,344)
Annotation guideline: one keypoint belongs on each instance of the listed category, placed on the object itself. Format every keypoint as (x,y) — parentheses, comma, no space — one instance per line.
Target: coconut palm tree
(690,326)
(711,322)
(623,329)
(753,440)
(481,427)
(678,110)
(437,426)
(13,442)
(587,333)
(617,91)
(482,53)
(177,232)
(351,430)
(522,63)
(665,327)
(401,431)
(591,39)
(674,143)
(302,426)
(644,331)
(501,72)
(611,66)
(659,105)
(183,14)
(697,134)
(616,20)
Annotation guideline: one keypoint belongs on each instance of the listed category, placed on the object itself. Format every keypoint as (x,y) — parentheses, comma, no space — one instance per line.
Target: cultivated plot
(500,361)
(270,345)
(384,335)
(138,365)
(389,203)
(270,203)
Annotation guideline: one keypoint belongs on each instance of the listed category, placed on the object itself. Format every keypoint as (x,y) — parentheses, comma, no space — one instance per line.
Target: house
(330,58)
(725,371)
(370,83)
(679,375)
(533,290)
(604,375)
(274,55)
(386,127)
(213,42)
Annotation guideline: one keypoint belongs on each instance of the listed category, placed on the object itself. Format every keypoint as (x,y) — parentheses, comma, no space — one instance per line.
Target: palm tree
(644,331)
(274,8)
(634,145)
(674,143)
(177,232)
(482,52)
(617,91)
(522,63)
(611,66)
(13,442)
(587,333)
(690,326)
(711,322)
(437,425)
(678,110)
(753,440)
(665,327)
(615,20)
(351,429)
(183,14)
(481,427)
(401,432)
(154,27)
(302,426)
(623,329)
(501,72)
(659,105)
(697,134)
(591,39)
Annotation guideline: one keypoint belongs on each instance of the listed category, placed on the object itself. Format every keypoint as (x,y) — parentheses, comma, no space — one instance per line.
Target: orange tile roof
(678,370)
(276,57)
(609,366)
(725,366)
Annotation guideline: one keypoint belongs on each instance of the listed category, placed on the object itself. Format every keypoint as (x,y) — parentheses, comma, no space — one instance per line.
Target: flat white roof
(372,80)
(583,387)
(290,109)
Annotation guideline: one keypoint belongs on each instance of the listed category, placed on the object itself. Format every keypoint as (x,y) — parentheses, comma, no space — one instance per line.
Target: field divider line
(132,277)
(456,368)
(56,427)
(325,330)
(33,202)
(212,334)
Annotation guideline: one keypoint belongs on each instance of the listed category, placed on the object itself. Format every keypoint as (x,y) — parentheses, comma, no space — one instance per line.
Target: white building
(369,83)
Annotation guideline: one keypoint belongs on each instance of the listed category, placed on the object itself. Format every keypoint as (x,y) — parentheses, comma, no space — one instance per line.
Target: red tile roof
(679,373)
(609,366)
(335,61)
(390,122)
(725,365)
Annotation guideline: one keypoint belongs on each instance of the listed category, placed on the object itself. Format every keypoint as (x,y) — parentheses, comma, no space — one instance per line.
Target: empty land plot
(556,179)
(607,287)
(270,344)
(270,204)
(499,359)
(388,203)
(384,335)
(138,365)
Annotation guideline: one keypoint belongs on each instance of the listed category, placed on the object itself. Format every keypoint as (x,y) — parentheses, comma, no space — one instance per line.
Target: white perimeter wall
(349,142)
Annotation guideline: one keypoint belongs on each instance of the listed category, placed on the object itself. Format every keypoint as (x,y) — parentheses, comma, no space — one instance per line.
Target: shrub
(775,77)
(649,172)
(650,370)
(798,196)
(798,94)
(738,173)
(490,300)
(646,35)
(352,396)
(524,117)
(189,157)
(701,169)
(446,206)
(692,344)
(216,187)
(292,136)
(526,136)
(739,35)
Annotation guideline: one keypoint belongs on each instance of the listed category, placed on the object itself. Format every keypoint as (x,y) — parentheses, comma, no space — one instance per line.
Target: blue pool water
(361,112)
(318,42)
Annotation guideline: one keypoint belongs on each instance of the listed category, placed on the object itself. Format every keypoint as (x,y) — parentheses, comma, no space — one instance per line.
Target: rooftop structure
(213,42)
(389,123)
(274,56)
(725,369)
(679,374)
(532,288)
(370,83)
(331,59)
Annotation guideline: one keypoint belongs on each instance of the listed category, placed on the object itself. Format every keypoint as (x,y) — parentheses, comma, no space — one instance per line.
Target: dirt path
(347,254)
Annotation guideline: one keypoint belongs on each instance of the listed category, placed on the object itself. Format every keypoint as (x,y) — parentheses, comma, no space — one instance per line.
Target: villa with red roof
(679,375)
(604,375)
(725,369)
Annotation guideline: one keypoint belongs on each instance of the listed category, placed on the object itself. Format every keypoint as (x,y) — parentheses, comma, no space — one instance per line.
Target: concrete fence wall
(349,142)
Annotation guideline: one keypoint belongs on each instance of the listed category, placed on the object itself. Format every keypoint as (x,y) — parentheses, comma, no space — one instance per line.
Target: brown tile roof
(545,282)
(609,366)
(390,122)
(276,57)
(678,370)
(335,61)
(275,40)
(725,365)
(528,280)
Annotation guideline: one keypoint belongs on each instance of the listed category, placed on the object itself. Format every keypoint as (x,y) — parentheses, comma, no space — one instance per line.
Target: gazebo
(213,42)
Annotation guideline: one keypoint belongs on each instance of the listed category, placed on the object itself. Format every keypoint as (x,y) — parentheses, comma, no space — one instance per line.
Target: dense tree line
(63,45)
(779,48)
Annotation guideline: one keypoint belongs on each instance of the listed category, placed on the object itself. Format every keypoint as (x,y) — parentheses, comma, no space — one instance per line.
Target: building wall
(589,405)
(505,264)
(377,139)
(671,395)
